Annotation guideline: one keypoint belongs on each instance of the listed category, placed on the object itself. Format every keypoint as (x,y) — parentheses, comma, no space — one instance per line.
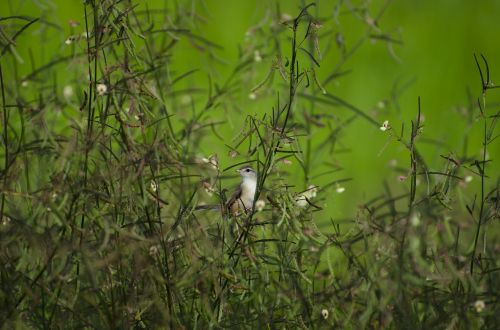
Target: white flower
(479,305)
(24,83)
(340,189)
(233,153)
(324,313)
(286,161)
(153,186)
(316,25)
(313,190)
(302,199)
(468,178)
(385,126)
(70,40)
(212,160)
(102,89)
(259,205)
(256,56)
(252,96)
(5,220)
(67,91)
(153,250)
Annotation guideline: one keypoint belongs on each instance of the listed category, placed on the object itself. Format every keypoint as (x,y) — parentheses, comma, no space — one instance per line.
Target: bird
(242,198)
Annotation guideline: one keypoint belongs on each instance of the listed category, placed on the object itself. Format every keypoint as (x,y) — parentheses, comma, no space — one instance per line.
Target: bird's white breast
(248,187)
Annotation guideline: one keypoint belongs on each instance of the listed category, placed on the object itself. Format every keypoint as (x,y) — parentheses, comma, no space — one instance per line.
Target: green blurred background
(434,61)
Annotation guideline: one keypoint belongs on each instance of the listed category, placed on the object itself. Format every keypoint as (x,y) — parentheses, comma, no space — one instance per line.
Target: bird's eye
(247,170)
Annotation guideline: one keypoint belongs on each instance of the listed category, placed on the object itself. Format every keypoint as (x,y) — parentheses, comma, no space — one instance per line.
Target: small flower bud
(102,89)
(479,305)
(153,250)
(259,205)
(385,126)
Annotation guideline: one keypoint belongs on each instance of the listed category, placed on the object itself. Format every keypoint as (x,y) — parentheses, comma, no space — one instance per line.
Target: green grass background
(438,38)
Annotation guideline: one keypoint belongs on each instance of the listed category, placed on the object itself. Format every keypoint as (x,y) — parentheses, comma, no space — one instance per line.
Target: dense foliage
(104,163)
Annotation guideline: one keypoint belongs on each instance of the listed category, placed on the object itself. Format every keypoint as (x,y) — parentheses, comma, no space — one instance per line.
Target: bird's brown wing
(232,204)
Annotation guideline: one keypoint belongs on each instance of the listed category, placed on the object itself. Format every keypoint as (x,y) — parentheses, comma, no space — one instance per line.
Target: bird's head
(247,172)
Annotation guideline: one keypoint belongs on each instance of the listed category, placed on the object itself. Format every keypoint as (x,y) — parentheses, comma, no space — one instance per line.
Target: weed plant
(101,179)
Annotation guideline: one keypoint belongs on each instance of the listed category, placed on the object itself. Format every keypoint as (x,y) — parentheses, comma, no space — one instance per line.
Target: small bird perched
(243,197)
(241,201)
